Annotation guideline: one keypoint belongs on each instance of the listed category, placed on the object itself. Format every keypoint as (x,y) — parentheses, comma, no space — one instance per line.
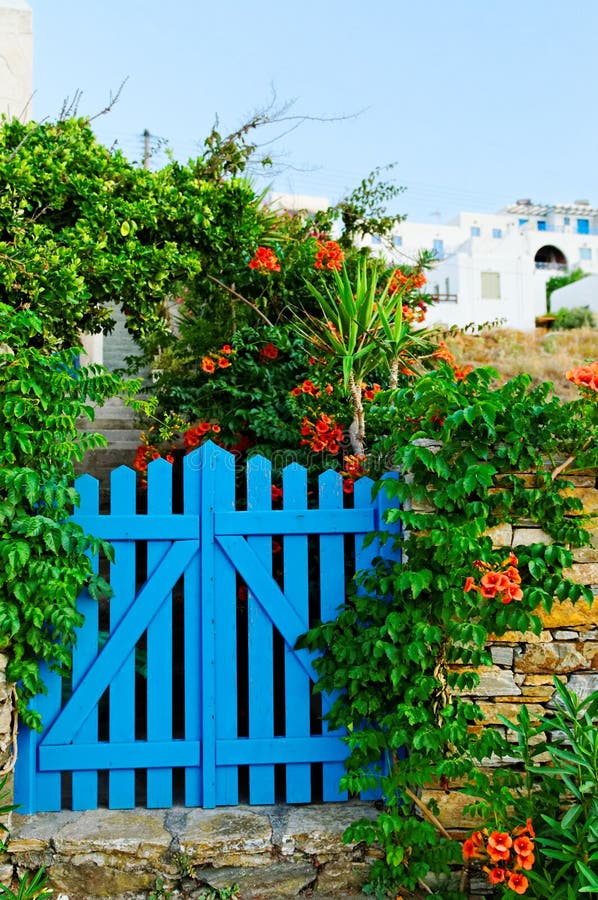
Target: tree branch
(114,98)
(240,297)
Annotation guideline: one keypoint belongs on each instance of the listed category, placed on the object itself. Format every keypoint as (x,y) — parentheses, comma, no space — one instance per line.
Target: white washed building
(495,266)
(16,59)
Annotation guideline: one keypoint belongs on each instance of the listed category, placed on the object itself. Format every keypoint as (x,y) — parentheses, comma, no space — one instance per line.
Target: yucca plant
(361,329)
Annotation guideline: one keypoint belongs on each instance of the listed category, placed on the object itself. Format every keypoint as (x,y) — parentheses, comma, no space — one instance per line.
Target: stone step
(100,424)
(278,851)
(116,435)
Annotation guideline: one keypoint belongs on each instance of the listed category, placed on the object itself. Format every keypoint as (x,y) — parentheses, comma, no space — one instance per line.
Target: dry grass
(545,355)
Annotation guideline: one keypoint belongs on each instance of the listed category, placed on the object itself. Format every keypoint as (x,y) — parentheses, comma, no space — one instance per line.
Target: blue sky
(478,102)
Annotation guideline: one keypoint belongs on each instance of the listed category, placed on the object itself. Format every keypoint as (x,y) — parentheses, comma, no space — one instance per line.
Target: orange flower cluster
(144,456)
(268,352)
(407,282)
(508,853)
(146,453)
(370,393)
(585,377)
(324,434)
(265,260)
(442,352)
(195,436)
(329,256)
(354,467)
(501,581)
(308,387)
(415,313)
(218,360)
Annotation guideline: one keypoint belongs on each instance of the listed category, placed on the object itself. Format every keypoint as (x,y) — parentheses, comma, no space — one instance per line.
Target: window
(541,225)
(497,232)
(490,286)
(397,240)
(522,222)
(376,239)
(583,226)
(438,248)
(585,252)
(475,230)
(566,220)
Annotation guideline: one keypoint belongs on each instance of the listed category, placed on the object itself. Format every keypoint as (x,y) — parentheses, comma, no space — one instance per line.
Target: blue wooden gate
(188,688)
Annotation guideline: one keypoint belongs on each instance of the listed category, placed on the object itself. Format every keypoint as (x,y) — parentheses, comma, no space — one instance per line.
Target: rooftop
(577,208)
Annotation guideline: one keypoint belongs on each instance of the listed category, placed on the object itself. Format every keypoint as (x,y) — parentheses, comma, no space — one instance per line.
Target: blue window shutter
(583,226)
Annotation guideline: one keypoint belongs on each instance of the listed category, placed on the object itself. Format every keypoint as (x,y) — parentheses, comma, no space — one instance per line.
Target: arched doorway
(550,257)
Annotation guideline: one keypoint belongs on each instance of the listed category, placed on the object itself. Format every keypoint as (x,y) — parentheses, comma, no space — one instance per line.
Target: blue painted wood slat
(35,790)
(192,633)
(85,784)
(365,556)
(260,638)
(332,593)
(296,591)
(224,625)
(159,642)
(209,464)
(121,782)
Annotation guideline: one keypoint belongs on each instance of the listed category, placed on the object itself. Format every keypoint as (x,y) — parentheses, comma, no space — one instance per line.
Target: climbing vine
(402,654)
(44,555)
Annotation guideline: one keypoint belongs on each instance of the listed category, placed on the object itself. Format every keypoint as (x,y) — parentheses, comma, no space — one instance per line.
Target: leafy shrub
(577,317)
(44,555)
(556,789)
(400,654)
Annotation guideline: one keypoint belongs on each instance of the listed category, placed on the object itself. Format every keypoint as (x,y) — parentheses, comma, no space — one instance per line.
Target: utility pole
(146,149)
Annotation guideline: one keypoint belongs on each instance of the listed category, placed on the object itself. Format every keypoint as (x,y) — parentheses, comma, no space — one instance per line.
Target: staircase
(117,423)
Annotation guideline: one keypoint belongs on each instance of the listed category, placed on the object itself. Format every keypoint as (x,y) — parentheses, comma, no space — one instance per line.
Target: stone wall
(524,664)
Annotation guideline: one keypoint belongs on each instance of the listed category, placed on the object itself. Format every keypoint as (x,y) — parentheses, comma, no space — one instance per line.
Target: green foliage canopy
(44,561)
(82,229)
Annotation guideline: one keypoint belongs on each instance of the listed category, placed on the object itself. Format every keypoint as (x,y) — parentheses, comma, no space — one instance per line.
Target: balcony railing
(532,225)
(559,267)
(443,298)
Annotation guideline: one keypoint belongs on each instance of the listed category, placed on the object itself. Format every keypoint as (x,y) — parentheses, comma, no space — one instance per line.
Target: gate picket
(260,659)
(121,782)
(192,643)
(159,641)
(207,549)
(365,555)
(296,589)
(332,593)
(224,626)
(85,784)
(36,790)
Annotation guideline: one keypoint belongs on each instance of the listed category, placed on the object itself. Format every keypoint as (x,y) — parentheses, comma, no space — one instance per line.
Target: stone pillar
(16,59)
(6,760)
(6,715)
(93,349)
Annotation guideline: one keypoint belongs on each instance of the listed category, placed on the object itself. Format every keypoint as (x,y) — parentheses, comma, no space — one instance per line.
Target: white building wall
(475,243)
(16,59)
